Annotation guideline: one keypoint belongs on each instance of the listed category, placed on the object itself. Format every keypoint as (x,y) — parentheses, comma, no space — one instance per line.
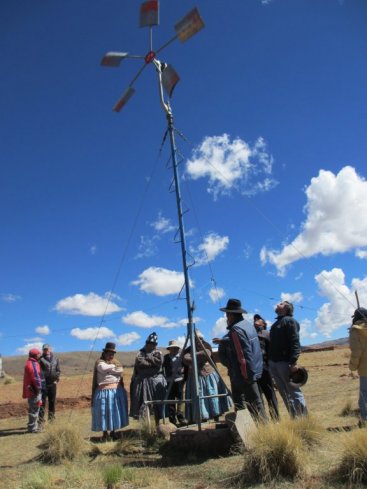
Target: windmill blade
(113,59)
(189,25)
(149,13)
(170,78)
(122,101)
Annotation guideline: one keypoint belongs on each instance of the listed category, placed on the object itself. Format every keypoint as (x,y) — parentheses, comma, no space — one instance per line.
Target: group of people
(41,375)
(257,359)
(254,357)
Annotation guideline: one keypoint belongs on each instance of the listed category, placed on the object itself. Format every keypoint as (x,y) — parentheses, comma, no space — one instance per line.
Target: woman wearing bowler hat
(109,398)
(148,382)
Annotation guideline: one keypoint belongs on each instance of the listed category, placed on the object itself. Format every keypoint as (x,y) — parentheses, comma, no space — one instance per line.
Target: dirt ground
(72,393)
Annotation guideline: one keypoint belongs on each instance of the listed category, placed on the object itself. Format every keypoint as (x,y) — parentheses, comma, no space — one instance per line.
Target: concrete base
(214,439)
(241,425)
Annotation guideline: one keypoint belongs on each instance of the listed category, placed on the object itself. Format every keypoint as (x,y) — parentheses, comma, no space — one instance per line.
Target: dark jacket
(264,339)
(250,347)
(50,369)
(284,340)
(172,367)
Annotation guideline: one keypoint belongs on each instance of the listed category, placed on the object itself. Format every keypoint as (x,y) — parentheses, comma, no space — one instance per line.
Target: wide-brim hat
(360,313)
(234,306)
(299,378)
(110,347)
(173,344)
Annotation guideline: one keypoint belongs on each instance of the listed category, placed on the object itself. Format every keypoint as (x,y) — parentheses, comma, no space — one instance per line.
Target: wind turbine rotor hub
(149,57)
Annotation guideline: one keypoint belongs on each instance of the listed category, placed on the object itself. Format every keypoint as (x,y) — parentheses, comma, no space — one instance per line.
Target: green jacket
(358,347)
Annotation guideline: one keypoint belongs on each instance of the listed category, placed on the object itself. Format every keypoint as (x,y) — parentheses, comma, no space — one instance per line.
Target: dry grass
(8,379)
(62,442)
(352,467)
(38,479)
(328,387)
(276,452)
(307,428)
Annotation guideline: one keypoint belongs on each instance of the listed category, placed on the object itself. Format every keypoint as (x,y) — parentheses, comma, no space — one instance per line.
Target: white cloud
(232,164)
(338,311)
(296,297)
(24,350)
(216,294)
(128,338)
(142,320)
(92,333)
(45,330)
(210,248)
(181,340)
(195,320)
(93,249)
(162,224)
(335,204)
(37,339)
(220,327)
(362,254)
(10,298)
(306,330)
(147,247)
(88,305)
(247,250)
(160,281)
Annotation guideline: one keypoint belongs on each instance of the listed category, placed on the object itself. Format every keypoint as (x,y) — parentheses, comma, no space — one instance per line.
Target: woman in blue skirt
(210,384)
(109,398)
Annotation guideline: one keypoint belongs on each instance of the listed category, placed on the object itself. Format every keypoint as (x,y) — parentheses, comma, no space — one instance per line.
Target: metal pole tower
(167,80)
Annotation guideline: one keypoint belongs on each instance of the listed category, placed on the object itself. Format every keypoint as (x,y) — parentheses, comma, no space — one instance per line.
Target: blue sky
(273,108)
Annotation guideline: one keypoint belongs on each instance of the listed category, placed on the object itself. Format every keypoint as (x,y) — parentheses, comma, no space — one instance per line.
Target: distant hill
(72,363)
(325,344)
(80,362)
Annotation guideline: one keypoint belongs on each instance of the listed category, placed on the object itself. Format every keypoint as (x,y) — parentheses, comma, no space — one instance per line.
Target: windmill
(167,80)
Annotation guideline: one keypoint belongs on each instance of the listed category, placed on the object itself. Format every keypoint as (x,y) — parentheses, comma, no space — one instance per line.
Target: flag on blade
(149,13)
(129,92)
(170,79)
(189,25)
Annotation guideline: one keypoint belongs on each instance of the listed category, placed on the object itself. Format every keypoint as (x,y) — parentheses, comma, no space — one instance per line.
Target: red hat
(34,352)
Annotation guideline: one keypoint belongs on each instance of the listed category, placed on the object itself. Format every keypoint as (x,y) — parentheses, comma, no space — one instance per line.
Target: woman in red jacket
(32,388)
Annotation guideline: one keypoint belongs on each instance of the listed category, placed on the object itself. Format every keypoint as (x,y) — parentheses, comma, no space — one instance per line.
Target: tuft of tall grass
(276,452)
(148,432)
(38,479)
(62,442)
(307,428)
(353,464)
(114,473)
(8,379)
(347,409)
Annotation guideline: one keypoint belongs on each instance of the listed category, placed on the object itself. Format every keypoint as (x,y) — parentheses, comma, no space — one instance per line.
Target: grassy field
(329,391)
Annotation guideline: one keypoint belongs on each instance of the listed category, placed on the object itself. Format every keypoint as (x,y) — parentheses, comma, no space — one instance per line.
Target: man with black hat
(239,350)
(358,357)
(283,355)
(50,372)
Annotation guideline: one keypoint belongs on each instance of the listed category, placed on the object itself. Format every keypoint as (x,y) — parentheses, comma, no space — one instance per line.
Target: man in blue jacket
(283,355)
(239,350)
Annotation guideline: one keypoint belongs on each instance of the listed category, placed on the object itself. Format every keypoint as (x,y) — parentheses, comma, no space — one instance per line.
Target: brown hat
(234,306)
(110,347)
(172,344)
